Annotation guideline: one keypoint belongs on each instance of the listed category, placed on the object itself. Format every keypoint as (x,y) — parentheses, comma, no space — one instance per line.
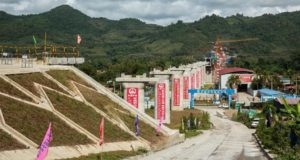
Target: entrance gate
(229,92)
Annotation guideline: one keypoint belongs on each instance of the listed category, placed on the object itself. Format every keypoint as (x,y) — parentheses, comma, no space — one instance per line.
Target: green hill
(132,46)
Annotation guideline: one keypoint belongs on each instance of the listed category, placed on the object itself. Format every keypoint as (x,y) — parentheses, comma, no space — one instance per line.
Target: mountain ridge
(113,44)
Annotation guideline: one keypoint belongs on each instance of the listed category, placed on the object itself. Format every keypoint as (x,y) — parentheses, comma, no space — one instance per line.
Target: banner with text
(176,91)
(246,78)
(133,96)
(161,101)
(185,87)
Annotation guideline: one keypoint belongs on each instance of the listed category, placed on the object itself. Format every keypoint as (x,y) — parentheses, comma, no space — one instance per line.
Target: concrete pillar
(162,101)
(197,78)
(203,76)
(193,79)
(134,94)
(177,92)
(200,77)
(186,87)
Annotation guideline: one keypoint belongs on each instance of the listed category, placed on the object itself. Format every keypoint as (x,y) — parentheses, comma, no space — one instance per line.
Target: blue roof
(270,92)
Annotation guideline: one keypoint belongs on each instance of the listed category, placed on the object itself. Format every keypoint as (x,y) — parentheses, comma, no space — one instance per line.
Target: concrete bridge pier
(177,92)
(162,101)
(162,94)
(186,86)
(134,94)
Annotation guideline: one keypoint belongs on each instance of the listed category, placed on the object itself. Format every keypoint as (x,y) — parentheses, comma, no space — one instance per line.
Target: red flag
(78,39)
(101,131)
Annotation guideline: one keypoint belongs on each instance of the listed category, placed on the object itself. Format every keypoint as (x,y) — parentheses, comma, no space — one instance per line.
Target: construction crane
(220,55)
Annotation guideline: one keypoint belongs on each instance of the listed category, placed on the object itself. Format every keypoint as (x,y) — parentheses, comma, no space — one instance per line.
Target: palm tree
(266,78)
(293,121)
(233,81)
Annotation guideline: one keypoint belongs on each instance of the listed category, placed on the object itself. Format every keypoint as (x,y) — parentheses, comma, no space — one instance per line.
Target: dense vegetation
(279,130)
(131,46)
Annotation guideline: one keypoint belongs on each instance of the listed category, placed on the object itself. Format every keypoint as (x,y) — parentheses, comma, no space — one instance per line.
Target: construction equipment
(220,55)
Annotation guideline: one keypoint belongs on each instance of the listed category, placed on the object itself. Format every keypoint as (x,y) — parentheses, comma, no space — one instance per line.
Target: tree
(233,81)
(293,121)
(256,83)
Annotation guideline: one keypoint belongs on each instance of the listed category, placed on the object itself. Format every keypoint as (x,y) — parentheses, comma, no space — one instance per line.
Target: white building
(246,77)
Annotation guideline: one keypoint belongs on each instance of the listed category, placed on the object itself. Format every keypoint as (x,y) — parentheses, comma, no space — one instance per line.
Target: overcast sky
(162,12)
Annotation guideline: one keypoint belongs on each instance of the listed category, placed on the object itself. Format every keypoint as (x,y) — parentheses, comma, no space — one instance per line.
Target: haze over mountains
(109,43)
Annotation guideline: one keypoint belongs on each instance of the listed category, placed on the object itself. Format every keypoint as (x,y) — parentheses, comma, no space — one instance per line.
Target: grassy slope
(33,123)
(108,106)
(150,112)
(11,90)
(86,117)
(116,155)
(64,76)
(8,143)
(26,80)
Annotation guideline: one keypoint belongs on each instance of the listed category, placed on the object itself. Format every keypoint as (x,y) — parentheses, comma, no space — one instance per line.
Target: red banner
(185,87)
(193,81)
(161,101)
(246,78)
(133,96)
(176,91)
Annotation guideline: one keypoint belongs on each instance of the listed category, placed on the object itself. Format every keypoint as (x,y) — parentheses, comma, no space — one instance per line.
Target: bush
(277,139)
(193,123)
(243,118)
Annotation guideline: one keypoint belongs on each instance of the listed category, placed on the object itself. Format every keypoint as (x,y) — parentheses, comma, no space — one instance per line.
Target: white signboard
(79,60)
(65,60)
(71,60)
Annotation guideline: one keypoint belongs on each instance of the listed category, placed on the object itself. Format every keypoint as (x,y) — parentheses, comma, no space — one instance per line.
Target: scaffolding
(52,55)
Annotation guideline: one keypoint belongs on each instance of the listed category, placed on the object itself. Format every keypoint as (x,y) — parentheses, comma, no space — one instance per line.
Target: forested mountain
(132,46)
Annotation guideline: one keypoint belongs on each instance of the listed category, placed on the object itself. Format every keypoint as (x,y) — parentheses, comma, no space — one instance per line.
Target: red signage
(176,91)
(185,87)
(133,96)
(246,78)
(193,81)
(161,101)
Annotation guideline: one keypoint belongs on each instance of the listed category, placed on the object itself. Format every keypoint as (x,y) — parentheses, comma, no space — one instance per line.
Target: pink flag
(78,39)
(43,150)
(101,132)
